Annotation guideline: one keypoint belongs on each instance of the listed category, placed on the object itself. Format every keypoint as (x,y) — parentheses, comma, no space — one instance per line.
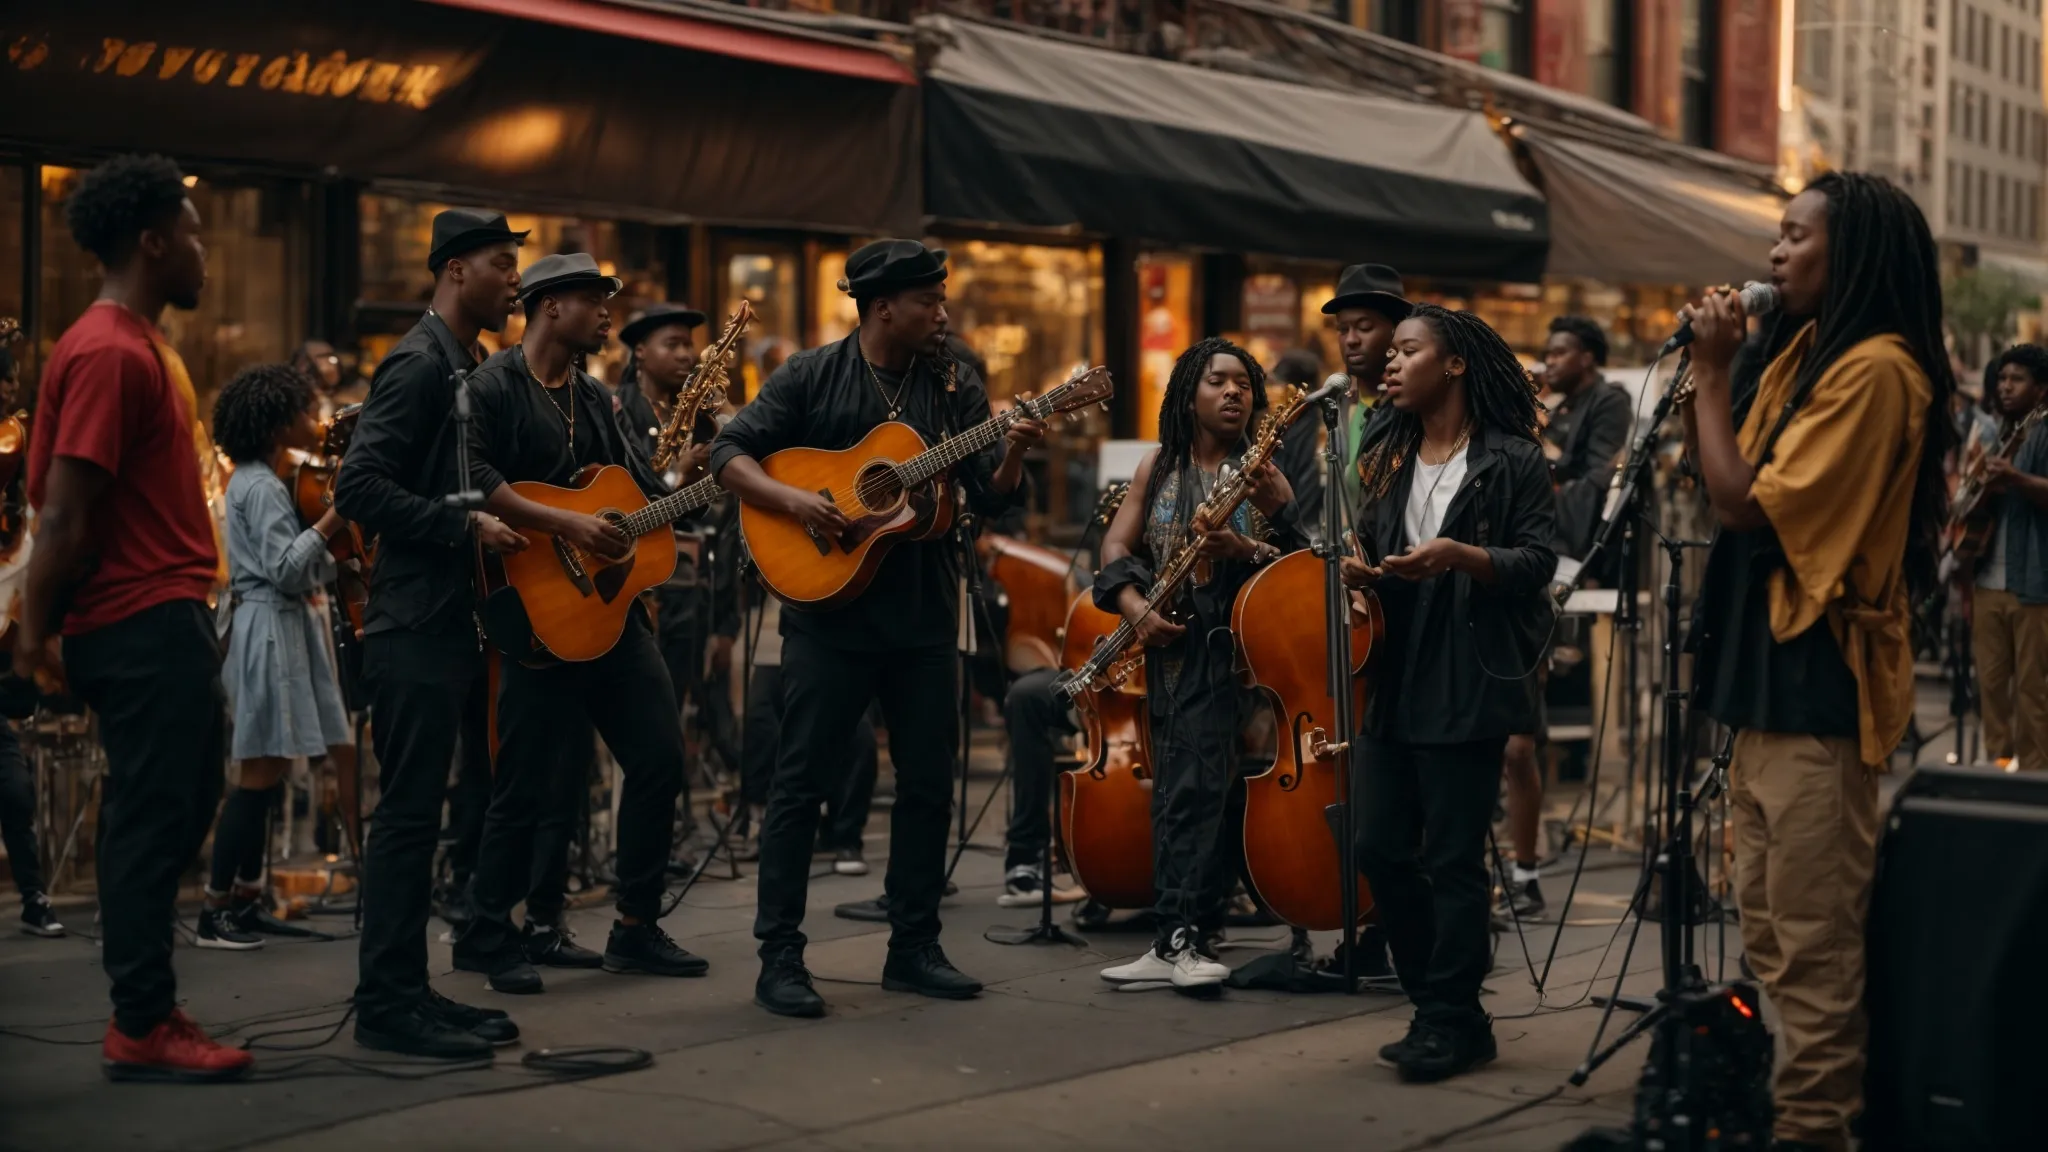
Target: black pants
(544,720)
(826,691)
(238,836)
(418,685)
(154,680)
(855,765)
(18,814)
(471,795)
(561,818)
(1423,814)
(1195,861)
(1035,717)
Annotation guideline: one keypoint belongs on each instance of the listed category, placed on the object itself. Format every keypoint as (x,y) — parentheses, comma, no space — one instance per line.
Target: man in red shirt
(124,560)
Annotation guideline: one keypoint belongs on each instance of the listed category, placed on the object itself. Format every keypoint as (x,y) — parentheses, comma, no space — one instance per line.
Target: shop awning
(1640,220)
(676,27)
(1028,131)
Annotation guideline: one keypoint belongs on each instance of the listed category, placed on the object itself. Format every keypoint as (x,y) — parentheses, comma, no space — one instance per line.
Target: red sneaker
(175,1051)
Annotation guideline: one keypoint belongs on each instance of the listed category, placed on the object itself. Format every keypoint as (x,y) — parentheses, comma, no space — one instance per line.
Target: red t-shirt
(106,398)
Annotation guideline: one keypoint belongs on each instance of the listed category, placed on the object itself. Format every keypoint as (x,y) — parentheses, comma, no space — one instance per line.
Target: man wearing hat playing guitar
(540,418)
(420,656)
(895,640)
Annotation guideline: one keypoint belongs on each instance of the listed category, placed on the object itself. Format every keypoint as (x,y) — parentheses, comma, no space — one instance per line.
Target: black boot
(646,948)
(784,987)
(926,971)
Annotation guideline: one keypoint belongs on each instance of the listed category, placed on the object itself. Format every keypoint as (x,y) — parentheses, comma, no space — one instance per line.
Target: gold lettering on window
(208,65)
(245,63)
(322,76)
(27,52)
(377,89)
(136,58)
(421,82)
(174,59)
(351,76)
(110,51)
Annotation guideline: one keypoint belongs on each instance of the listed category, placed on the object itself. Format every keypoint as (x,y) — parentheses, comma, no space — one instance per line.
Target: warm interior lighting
(518,139)
(191,181)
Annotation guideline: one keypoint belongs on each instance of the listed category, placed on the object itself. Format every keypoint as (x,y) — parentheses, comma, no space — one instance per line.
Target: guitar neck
(672,507)
(929,463)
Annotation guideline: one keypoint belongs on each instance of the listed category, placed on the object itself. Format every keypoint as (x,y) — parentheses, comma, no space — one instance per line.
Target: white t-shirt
(1429,494)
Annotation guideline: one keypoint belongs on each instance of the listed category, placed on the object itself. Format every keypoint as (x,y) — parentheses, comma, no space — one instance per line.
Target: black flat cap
(1373,286)
(891,266)
(550,273)
(645,321)
(460,230)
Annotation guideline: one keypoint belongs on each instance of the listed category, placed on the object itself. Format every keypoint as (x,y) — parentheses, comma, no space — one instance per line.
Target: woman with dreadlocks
(1457,499)
(1829,494)
(1215,391)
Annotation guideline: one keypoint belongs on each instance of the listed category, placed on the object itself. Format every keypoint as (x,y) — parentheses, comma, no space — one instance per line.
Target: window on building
(1955,24)
(1606,65)
(1983,199)
(2001,205)
(1970,34)
(2004,123)
(1815,49)
(1400,19)
(1696,108)
(1948,198)
(1927,67)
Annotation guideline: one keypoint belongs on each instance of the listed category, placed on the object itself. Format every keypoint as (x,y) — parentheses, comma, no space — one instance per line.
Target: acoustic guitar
(555,599)
(889,486)
(1971,525)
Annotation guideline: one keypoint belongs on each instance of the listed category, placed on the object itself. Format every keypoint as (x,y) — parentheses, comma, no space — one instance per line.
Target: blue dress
(279,676)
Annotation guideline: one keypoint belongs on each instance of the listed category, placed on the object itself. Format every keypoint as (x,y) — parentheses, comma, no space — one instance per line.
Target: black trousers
(471,795)
(826,691)
(154,680)
(18,813)
(1195,859)
(545,717)
(418,685)
(561,818)
(856,765)
(1423,813)
(1035,717)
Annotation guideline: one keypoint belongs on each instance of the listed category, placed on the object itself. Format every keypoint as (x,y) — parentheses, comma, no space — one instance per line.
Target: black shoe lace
(789,965)
(657,939)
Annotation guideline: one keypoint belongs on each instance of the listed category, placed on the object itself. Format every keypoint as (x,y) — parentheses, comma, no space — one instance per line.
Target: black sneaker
(850,861)
(217,929)
(418,1030)
(1443,1049)
(485,1023)
(502,962)
(1092,916)
(554,946)
(926,971)
(784,986)
(1023,887)
(254,917)
(37,918)
(1519,903)
(646,948)
(1392,1054)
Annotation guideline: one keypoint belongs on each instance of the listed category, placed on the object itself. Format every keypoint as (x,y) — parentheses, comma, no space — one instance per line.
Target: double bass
(1106,804)
(1290,848)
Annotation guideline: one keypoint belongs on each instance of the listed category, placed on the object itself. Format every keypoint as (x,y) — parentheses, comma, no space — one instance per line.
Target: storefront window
(836,313)
(1272,315)
(1501,27)
(765,275)
(253,309)
(1166,326)
(1033,313)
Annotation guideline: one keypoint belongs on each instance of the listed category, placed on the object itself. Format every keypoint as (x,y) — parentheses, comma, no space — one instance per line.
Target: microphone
(1333,385)
(1757,300)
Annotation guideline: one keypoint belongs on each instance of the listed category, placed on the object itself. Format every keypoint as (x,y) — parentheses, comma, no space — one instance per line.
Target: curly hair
(2032,357)
(1499,397)
(260,402)
(1177,408)
(115,202)
(1587,332)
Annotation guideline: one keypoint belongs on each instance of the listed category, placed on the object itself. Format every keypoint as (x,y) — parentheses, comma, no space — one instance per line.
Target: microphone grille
(1759,299)
(1338,380)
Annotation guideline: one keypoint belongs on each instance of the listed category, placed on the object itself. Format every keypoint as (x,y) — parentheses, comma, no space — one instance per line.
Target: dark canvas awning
(486,105)
(1027,131)
(1637,219)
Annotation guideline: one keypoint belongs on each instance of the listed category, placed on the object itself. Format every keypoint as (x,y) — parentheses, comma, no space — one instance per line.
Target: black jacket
(399,465)
(826,398)
(1459,659)
(518,432)
(1591,432)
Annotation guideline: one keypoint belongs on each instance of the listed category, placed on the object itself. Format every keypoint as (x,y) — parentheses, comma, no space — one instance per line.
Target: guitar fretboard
(672,507)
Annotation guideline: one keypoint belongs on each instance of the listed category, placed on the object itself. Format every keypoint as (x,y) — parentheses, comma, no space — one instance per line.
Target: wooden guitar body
(1106,804)
(553,598)
(1291,852)
(813,572)
(1038,583)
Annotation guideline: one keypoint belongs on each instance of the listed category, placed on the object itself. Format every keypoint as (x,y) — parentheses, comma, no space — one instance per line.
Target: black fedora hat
(645,321)
(550,273)
(887,266)
(459,230)
(1373,286)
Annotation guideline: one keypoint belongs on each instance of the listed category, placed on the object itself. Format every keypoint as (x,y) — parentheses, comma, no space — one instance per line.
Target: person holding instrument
(1830,495)
(1205,420)
(1457,498)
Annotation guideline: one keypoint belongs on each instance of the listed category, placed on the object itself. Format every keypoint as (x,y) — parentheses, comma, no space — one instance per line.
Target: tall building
(1993,150)
(1865,92)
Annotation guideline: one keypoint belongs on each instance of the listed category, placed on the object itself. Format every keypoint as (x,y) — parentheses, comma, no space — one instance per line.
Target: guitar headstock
(1080,390)
(1112,499)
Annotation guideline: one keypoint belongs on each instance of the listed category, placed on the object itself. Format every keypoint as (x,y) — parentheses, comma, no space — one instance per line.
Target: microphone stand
(464,496)
(1342,815)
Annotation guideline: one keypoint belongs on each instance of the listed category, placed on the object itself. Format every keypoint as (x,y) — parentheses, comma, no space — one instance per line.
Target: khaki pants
(1805,848)
(2010,641)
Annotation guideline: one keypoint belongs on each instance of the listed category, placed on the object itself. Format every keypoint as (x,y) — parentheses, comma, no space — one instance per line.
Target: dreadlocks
(1177,410)
(1499,396)
(1883,278)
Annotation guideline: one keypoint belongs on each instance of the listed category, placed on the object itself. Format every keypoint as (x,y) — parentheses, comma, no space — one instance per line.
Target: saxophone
(703,391)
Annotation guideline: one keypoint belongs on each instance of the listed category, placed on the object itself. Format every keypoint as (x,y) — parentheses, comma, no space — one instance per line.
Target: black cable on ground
(1444,1137)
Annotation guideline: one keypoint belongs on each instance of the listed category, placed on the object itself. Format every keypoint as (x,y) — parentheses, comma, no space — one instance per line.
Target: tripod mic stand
(1342,815)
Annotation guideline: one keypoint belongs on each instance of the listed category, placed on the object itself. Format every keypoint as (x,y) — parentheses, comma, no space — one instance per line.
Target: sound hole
(878,488)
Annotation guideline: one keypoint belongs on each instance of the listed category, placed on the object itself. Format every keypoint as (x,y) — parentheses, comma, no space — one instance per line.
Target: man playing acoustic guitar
(538,417)
(895,639)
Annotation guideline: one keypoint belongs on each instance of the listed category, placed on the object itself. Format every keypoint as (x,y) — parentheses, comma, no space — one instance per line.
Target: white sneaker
(1151,968)
(1191,967)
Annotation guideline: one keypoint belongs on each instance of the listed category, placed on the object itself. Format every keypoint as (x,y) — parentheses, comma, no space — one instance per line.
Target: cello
(1290,848)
